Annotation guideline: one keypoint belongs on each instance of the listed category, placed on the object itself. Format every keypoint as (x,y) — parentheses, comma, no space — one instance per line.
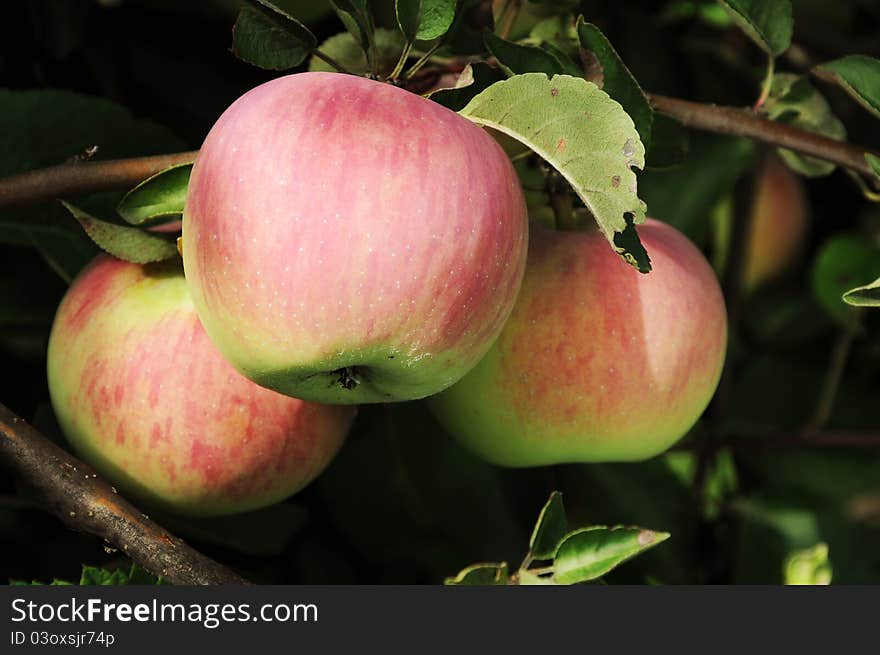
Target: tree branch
(84,177)
(750,124)
(85,502)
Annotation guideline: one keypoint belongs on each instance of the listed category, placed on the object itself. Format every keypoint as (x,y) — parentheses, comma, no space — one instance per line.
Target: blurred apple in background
(778,229)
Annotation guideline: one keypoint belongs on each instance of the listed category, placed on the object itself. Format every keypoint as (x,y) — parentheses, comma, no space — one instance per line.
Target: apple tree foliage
(566,87)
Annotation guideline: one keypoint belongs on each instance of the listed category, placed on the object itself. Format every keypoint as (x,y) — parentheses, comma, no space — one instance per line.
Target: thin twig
(84,177)
(750,124)
(332,62)
(834,375)
(85,502)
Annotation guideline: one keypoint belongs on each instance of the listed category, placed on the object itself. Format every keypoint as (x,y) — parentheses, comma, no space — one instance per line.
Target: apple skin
(346,241)
(597,362)
(143,396)
(779,224)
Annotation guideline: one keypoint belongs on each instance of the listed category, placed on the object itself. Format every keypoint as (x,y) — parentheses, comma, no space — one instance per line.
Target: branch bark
(84,177)
(85,502)
(750,124)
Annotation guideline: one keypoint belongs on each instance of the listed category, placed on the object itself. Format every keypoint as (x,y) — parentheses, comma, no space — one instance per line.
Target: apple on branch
(346,241)
(143,395)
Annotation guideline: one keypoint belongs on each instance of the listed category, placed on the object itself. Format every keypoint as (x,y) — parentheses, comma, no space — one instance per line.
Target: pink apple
(143,395)
(346,241)
(779,224)
(778,228)
(598,362)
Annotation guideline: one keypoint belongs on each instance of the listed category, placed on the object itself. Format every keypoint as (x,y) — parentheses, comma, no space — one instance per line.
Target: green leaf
(526,578)
(474,79)
(344,49)
(36,130)
(808,566)
(617,81)
(550,528)
(844,262)
(129,243)
(356,17)
(858,75)
(590,553)
(874,163)
(94,575)
(583,134)
(159,196)
(517,58)
(794,101)
(473,19)
(480,575)
(864,296)
(560,31)
(425,20)
(767,22)
(268,37)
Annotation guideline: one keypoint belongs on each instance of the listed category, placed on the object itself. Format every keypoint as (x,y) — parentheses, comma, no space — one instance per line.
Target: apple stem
(422,60)
(834,375)
(401,62)
(767,83)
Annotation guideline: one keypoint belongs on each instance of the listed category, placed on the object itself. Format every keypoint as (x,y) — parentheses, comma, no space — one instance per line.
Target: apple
(346,241)
(597,362)
(778,228)
(143,396)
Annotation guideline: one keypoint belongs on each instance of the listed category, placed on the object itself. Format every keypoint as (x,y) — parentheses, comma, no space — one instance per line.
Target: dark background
(403,503)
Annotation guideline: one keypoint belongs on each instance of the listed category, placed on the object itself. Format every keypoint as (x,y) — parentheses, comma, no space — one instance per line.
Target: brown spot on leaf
(561,145)
(615,181)
(554,92)
(646,537)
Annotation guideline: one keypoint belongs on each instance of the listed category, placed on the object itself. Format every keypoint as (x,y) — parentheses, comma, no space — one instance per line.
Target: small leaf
(590,553)
(473,19)
(767,22)
(583,134)
(808,566)
(474,79)
(858,75)
(618,82)
(844,261)
(864,296)
(129,243)
(559,31)
(874,163)
(568,65)
(518,58)
(159,196)
(480,575)
(550,528)
(268,37)
(528,579)
(425,20)
(355,15)
(345,50)
(794,101)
